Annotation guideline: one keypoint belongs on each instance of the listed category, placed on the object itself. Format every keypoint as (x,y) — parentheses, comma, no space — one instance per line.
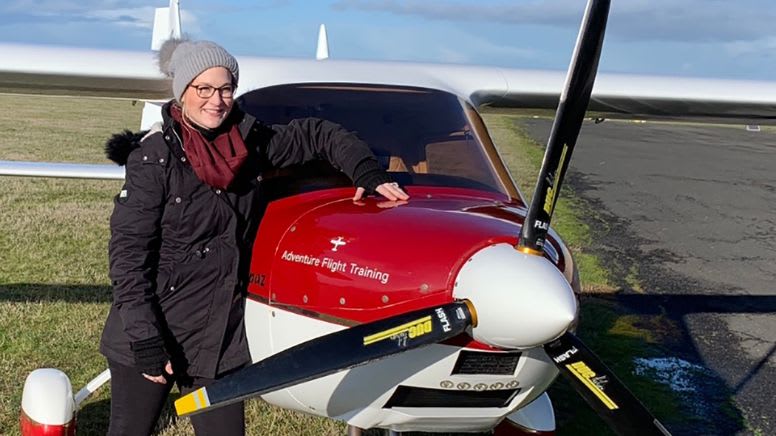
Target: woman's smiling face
(209,112)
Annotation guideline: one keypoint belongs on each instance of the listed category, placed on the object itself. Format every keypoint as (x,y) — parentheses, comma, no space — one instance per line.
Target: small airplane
(464,316)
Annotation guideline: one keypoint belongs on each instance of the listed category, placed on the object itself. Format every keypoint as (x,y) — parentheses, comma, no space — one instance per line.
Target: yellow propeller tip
(193,402)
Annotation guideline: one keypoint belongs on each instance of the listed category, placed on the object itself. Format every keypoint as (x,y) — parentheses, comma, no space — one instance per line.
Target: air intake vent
(478,362)
(406,396)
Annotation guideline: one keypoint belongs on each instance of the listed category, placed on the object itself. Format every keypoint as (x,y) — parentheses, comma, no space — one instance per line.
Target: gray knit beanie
(183,60)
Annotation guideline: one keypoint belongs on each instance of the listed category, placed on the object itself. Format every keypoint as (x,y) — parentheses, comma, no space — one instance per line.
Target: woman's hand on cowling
(390,191)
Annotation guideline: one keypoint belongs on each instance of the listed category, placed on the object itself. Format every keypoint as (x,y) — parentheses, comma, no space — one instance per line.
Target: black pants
(136,404)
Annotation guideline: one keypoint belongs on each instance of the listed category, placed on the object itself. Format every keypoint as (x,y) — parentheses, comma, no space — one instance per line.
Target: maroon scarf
(215,162)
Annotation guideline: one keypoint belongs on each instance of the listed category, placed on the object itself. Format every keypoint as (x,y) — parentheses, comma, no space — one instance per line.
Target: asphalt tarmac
(692,209)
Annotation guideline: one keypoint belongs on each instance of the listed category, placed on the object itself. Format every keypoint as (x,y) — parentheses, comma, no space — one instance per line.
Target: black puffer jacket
(179,249)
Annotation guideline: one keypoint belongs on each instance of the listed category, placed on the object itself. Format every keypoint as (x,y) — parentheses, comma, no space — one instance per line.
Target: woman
(182,231)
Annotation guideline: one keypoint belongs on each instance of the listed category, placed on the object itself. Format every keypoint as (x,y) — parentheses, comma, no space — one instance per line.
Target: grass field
(54,292)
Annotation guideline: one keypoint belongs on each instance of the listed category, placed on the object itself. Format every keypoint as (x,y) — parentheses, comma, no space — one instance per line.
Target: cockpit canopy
(422,136)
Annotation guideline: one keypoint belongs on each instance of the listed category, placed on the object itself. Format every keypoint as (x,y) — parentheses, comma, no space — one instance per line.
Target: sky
(694,38)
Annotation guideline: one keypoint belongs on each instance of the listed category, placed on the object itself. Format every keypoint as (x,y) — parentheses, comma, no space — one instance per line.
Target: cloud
(46,7)
(706,21)
(129,13)
(533,13)
(425,44)
(73,19)
(765,47)
(645,20)
(142,17)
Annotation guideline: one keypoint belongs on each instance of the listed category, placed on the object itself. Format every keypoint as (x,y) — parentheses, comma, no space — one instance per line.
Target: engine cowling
(321,253)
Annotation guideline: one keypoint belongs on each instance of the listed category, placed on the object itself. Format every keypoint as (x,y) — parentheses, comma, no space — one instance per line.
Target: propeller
(599,387)
(568,120)
(606,394)
(334,352)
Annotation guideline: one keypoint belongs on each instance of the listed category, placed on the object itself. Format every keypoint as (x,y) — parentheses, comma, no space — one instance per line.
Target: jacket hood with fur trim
(120,145)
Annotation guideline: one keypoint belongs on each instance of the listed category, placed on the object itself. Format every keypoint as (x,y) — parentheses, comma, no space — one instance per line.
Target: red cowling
(319,253)
(31,428)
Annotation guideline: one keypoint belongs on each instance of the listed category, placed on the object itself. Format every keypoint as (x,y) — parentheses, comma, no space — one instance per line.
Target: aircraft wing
(630,96)
(111,73)
(61,170)
(30,69)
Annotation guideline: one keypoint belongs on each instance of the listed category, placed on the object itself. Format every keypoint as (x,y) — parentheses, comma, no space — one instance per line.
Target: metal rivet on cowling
(424,287)
(145,157)
(342,300)
(183,159)
(177,199)
(304,298)
(384,299)
(167,137)
(161,160)
(293,228)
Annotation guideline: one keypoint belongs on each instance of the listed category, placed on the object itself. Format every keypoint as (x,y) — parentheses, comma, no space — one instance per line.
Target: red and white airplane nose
(522,301)
(48,407)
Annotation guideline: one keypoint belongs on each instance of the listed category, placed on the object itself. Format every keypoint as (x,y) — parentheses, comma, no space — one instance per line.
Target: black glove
(150,356)
(369,175)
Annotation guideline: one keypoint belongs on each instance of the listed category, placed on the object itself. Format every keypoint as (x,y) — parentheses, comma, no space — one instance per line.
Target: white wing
(630,95)
(62,170)
(110,73)
(80,72)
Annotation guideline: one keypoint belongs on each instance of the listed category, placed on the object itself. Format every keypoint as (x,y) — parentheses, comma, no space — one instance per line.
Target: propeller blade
(565,129)
(332,353)
(607,395)
(604,392)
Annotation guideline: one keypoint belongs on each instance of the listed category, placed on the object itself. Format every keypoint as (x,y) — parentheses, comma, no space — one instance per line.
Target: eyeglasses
(207,91)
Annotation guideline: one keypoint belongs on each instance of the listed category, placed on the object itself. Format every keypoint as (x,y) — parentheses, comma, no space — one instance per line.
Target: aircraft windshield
(422,136)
